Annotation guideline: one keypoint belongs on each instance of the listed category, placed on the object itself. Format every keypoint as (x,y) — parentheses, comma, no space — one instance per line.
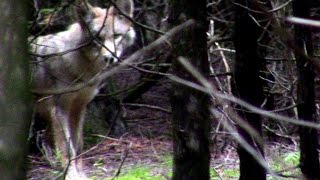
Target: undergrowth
(162,170)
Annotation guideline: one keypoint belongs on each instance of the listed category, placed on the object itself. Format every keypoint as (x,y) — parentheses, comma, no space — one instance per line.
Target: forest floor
(145,151)
(142,157)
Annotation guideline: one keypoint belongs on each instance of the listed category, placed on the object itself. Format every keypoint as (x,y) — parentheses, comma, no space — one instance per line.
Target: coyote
(74,56)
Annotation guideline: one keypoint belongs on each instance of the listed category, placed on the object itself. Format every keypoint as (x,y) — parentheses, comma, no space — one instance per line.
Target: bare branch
(303,21)
(135,22)
(207,87)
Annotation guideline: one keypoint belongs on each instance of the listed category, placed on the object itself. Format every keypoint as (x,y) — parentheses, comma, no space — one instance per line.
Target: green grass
(163,169)
(135,173)
(292,158)
(228,173)
(231,173)
(155,171)
(286,161)
(140,173)
(146,172)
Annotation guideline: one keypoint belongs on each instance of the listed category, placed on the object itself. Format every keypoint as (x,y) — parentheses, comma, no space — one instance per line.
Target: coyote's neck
(76,34)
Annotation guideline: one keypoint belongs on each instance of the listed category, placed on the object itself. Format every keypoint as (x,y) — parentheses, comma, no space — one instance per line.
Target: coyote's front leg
(67,128)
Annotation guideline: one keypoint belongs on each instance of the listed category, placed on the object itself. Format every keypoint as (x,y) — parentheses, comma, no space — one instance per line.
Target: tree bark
(191,123)
(247,84)
(309,159)
(15,103)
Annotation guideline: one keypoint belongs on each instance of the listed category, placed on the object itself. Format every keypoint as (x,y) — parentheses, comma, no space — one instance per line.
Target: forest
(159,89)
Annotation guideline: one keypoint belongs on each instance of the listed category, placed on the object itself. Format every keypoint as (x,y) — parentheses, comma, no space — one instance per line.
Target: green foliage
(167,164)
(158,171)
(58,155)
(140,173)
(91,139)
(167,160)
(47,10)
(292,158)
(231,173)
(151,172)
(286,162)
(55,173)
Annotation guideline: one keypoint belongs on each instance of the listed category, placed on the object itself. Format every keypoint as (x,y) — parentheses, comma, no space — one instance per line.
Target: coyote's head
(111,28)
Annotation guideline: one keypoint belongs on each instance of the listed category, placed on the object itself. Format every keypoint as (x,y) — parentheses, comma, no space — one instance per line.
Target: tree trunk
(247,84)
(191,123)
(15,103)
(309,160)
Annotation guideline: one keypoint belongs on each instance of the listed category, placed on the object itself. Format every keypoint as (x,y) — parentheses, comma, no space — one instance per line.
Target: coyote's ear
(84,12)
(126,7)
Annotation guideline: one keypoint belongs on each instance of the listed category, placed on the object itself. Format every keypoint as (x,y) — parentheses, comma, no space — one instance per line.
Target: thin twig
(126,153)
(135,22)
(148,106)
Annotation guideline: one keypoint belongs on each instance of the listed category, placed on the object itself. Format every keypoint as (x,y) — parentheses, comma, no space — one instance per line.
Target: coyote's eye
(120,16)
(117,35)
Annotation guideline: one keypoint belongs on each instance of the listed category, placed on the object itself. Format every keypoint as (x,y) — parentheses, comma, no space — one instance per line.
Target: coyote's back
(76,55)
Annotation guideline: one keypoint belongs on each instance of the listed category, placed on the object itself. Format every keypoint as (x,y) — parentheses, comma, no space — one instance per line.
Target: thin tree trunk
(15,113)
(247,84)
(309,160)
(191,123)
